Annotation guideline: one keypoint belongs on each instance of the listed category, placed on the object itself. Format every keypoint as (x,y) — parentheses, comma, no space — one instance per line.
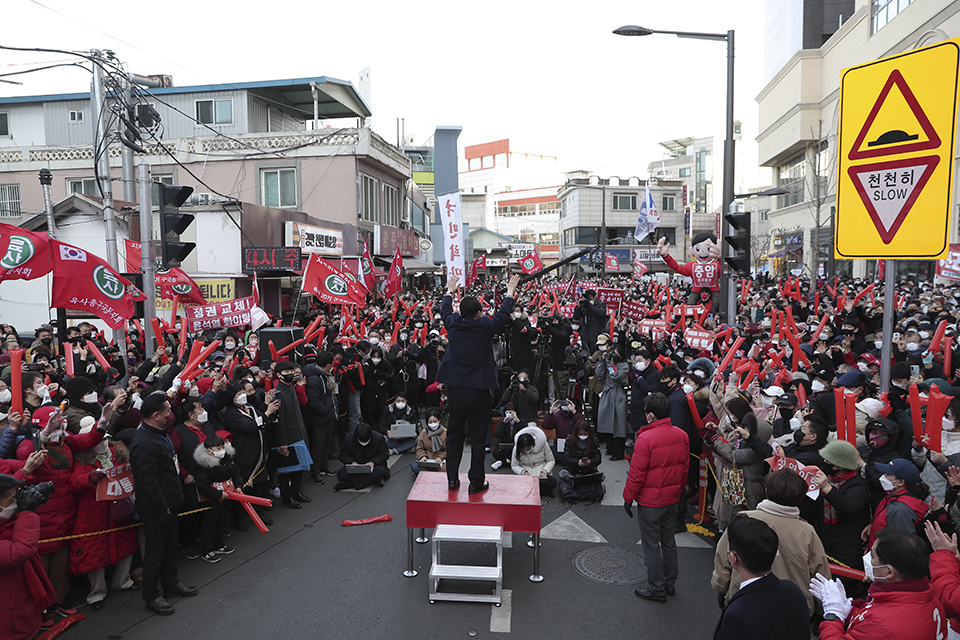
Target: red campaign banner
(950,268)
(698,339)
(232,313)
(690,310)
(567,310)
(226,485)
(117,485)
(632,310)
(611,297)
(656,329)
(807,473)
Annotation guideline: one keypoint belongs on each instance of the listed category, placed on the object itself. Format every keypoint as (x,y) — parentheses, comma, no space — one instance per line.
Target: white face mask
(403,336)
(90,398)
(878,344)
(689,388)
(509,415)
(241,399)
(924,335)
(862,366)
(583,437)
(42,391)
(252,343)
(202,418)
(816,386)
(517,314)
(601,347)
(8,512)
(6,396)
(229,345)
(912,346)
(375,360)
(640,366)
(101,447)
(767,401)
(868,566)
(219,454)
(948,424)
(795,424)
(374,341)
(136,401)
(363,444)
(574,326)
(401,405)
(886,483)
(433,426)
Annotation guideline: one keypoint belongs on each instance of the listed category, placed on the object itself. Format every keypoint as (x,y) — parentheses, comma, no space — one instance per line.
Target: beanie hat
(840,453)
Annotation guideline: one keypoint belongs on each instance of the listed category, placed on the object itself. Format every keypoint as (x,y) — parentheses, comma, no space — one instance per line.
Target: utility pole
(147,260)
(46,180)
(126,153)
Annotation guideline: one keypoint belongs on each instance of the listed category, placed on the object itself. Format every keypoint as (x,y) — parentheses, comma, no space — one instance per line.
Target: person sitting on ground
(363,447)
(900,603)
(800,554)
(216,471)
(506,433)
(764,606)
(580,458)
(431,444)
(532,457)
(398,411)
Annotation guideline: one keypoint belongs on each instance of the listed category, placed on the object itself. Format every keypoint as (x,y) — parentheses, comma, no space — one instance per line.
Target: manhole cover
(611,565)
(552,505)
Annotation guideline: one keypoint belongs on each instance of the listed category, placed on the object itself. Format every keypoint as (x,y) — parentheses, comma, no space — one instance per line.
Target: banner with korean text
(448,207)
(232,313)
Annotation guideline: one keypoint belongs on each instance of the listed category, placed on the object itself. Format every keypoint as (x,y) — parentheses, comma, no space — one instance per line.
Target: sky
(550,76)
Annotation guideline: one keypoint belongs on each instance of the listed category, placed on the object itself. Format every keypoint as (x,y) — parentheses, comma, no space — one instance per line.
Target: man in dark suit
(469,373)
(765,607)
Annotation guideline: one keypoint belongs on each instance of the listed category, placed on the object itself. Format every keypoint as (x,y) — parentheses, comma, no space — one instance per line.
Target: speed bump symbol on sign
(895,153)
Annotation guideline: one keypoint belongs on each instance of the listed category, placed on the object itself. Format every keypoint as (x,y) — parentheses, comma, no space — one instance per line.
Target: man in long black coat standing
(469,373)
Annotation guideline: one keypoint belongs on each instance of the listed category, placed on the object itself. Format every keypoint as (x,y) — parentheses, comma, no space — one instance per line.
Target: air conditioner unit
(205,199)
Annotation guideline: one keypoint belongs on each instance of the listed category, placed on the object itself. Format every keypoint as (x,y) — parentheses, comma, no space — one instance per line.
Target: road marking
(614,479)
(500,616)
(689,541)
(570,527)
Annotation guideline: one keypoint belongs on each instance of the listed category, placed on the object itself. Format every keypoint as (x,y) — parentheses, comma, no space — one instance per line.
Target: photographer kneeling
(524,397)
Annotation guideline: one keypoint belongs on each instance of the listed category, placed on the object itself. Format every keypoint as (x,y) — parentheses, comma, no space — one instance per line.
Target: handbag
(121,510)
(732,485)
(297,458)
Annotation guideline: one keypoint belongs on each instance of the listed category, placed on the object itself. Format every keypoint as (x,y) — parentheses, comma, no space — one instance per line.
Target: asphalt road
(310,577)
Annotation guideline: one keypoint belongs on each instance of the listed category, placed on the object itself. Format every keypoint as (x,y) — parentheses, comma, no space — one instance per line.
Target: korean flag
(72,253)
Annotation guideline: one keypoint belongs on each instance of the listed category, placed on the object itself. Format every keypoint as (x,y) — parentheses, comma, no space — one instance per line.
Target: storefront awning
(413,264)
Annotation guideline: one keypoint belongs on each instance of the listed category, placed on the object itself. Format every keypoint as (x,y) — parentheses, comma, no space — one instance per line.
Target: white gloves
(833,596)
(176,384)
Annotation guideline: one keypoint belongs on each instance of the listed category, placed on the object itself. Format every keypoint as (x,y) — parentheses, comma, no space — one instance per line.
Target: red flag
(329,285)
(26,254)
(497,298)
(612,263)
(472,273)
(356,285)
(84,281)
(366,268)
(639,269)
(570,287)
(395,277)
(133,255)
(881,269)
(530,263)
(481,261)
(175,283)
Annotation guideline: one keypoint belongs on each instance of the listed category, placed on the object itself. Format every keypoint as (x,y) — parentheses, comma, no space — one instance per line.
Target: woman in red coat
(57,516)
(93,554)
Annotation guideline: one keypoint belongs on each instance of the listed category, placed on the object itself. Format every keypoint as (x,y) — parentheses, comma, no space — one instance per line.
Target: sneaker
(327,472)
(210,557)
(496,465)
(46,623)
(393,452)
(225,550)
(275,492)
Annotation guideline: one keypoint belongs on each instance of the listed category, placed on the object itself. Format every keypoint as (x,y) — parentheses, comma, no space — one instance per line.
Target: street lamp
(728,147)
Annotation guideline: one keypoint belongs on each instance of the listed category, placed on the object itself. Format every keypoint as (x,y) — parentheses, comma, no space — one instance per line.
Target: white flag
(649,218)
(448,210)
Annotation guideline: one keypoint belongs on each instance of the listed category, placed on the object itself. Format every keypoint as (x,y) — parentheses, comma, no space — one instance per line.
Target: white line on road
(500,616)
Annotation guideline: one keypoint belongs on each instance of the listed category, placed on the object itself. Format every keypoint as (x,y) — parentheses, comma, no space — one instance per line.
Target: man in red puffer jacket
(658,474)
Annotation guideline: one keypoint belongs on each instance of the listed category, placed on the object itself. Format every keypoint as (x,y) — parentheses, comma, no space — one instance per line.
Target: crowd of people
(569,381)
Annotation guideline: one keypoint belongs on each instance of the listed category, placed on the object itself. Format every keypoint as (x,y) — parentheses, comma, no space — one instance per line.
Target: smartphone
(36,440)
(915,371)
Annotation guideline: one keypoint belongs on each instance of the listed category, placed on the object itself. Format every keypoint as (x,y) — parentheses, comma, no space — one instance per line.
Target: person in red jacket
(945,572)
(900,603)
(23,582)
(658,474)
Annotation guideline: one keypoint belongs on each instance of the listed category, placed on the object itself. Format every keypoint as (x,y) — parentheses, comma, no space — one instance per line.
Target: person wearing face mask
(524,396)
(398,411)
(290,430)
(251,424)
(901,603)
(845,508)
(159,496)
(786,409)
(581,457)
(231,345)
(532,457)
(91,555)
(320,413)
(680,416)
(903,504)
(561,416)
(27,591)
(377,392)
(522,339)
(216,472)
(431,444)
(882,435)
(191,429)
(84,401)
(591,315)
(35,391)
(614,373)
(505,434)
(363,447)
(933,474)
(560,333)
(645,380)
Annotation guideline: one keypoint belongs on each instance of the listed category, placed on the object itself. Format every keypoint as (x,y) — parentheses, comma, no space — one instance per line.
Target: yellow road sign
(895,152)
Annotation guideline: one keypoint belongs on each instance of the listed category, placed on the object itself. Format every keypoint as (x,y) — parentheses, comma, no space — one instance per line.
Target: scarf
(830,515)
(778,509)
(59,456)
(434,436)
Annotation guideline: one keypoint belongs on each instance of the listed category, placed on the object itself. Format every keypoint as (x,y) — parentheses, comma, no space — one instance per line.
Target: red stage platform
(511,502)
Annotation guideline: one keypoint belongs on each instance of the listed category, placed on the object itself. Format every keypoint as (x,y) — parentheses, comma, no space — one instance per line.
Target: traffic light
(172,224)
(739,241)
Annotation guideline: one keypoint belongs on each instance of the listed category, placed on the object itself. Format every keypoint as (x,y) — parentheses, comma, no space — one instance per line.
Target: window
(391,206)
(76,117)
(86,186)
(624,201)
(9,200)
(369,190)
(685,173)
(155,188)
(569,237)
(700,188)
(278,187)
(790,177)
(669,203)
(215,111)
(886,10)
(4,125)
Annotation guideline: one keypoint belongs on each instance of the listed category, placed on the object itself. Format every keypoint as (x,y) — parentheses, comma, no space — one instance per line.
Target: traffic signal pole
(147,261)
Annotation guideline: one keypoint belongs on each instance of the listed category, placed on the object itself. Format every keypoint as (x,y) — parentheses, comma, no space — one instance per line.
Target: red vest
(880,518)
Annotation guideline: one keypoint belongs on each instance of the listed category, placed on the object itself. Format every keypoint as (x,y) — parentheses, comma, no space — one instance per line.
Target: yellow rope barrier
(126,526)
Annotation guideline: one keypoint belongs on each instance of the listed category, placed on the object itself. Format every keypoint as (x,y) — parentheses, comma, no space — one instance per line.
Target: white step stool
(466,533)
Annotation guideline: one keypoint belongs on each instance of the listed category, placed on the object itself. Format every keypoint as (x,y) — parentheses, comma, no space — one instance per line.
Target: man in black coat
(320,414)
(559,331)
(289,430)
(645,381)
(680,416)
(765,607)
(469,373)
(158,500)
(592,316)
(364,447)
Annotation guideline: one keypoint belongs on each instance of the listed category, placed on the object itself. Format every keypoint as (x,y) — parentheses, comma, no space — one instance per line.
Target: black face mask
(798,436)
(46,341)
(786,414)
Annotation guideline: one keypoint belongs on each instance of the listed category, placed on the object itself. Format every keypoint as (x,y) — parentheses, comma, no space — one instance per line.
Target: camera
(45,489)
